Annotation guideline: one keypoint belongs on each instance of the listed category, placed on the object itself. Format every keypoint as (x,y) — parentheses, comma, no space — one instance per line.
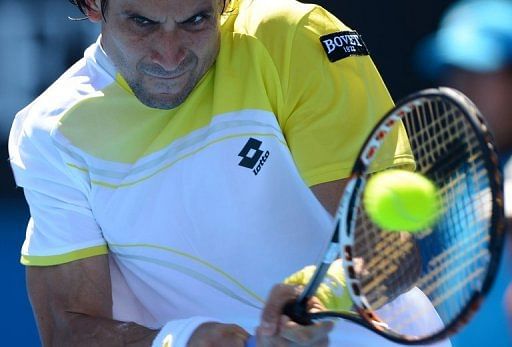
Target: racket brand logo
(252,156)
(343,44)
(374,142)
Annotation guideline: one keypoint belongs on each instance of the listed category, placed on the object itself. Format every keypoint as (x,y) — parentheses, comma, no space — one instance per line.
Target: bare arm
(72,304)
(329,194)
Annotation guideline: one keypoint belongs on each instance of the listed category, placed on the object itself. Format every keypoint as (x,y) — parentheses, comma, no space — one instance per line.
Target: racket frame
(345,223)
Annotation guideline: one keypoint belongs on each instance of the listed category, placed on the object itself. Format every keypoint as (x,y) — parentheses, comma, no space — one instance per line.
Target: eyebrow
(129,13)
(201,8)
(206,11)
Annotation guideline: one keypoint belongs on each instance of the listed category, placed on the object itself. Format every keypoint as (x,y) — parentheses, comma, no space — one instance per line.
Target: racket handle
(292,309)
(297,312)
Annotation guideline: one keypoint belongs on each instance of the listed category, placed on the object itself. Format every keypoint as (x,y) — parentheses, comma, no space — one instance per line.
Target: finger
(233,335)
(315,305)
(306,335)
(272,311)
(218,334)
(271,341)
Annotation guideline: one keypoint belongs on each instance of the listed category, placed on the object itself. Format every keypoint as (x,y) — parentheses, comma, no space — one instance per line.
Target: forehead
(161,7)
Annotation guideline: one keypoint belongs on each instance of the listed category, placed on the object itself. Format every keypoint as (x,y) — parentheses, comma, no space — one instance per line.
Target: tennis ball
(332,292)
(399,200)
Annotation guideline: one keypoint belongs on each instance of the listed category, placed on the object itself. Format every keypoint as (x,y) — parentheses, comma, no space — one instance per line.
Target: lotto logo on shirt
(252,156)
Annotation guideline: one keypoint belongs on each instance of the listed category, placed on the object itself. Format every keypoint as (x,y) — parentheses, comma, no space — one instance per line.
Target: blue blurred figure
(472,51)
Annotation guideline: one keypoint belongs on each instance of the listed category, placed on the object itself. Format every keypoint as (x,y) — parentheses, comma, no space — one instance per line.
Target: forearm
(82,330)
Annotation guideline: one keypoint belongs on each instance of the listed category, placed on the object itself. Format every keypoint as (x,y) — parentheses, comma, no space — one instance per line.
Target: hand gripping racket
(417,288)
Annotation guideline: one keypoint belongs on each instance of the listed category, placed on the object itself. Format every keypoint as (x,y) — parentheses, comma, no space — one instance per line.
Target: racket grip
(297,312)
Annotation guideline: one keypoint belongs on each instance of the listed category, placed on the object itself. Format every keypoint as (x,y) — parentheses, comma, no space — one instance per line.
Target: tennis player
(187,165)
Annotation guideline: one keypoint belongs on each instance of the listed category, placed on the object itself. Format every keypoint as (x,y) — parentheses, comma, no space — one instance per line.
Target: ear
(221,4)
(94,10)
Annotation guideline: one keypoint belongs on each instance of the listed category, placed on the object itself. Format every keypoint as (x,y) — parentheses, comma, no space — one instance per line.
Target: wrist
(176,333)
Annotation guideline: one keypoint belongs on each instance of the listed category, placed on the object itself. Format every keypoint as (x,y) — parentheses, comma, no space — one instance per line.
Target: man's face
(162,47)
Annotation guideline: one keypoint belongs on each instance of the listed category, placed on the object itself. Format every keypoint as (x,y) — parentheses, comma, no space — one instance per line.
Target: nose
(168,49)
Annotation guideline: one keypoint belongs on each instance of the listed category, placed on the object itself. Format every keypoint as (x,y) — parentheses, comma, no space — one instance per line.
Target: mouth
(168,77)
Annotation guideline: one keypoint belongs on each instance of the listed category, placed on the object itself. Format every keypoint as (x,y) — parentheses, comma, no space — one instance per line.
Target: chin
(164,101)
(160,95)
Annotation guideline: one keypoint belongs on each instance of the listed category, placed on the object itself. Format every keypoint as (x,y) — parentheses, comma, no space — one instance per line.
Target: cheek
(206,44)
(124,49)
(128,55)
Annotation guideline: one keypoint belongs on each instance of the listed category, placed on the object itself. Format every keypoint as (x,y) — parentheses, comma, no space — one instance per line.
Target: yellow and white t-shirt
(204,207)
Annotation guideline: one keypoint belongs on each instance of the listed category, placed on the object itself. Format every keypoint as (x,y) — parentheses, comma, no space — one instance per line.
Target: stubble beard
(164,99)
(167,101)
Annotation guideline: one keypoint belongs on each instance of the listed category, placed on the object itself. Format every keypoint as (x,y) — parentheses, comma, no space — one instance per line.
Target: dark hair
(84,6)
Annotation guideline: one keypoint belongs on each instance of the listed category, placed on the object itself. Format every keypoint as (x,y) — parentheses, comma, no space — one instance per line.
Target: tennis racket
(419,288)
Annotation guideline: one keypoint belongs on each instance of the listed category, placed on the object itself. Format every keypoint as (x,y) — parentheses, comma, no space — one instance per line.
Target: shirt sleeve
(62,227)
(331,107)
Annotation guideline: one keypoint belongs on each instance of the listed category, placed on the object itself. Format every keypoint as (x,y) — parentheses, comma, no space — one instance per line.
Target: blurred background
(38,42)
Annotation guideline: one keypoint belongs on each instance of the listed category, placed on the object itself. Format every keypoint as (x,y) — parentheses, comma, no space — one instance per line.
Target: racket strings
(448,262)
(434,138)
(388,266)
(400,319)
(405,317)
(450,255)
(469,208)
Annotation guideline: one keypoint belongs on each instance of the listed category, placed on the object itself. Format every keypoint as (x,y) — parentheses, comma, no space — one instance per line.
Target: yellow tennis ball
(399,200)
(332,292)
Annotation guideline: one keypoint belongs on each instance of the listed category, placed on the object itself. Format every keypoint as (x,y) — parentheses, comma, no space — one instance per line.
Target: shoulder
(284,31)
(84,80)
(33,128)
(257,14)
(278,20)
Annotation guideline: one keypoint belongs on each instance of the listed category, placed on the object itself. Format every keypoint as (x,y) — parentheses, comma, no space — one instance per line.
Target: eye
(141,21)
(197,20)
